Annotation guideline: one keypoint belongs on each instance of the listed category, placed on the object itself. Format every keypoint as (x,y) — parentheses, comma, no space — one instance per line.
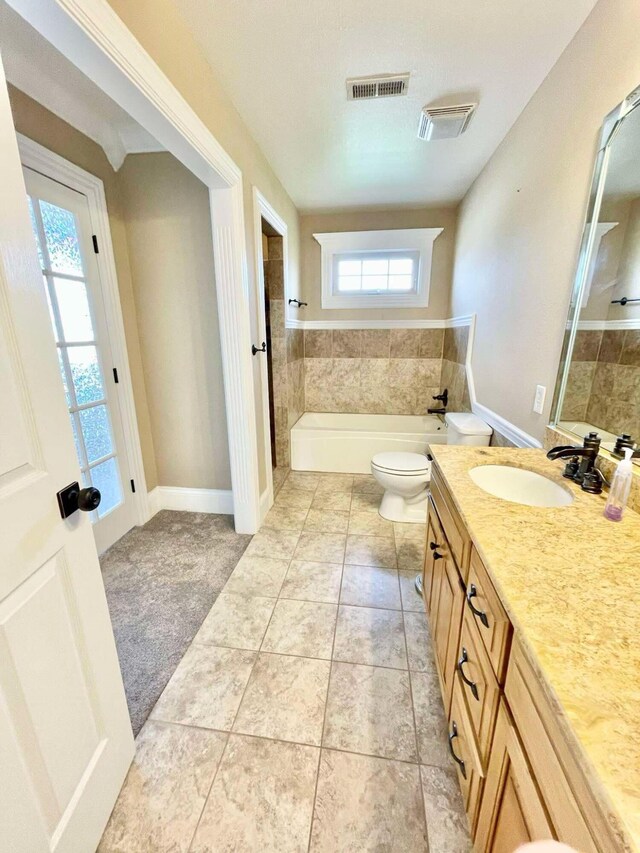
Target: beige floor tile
(370,586)
(285,699)
(410,554)
(365,502)
(257,576)
(335,483)
(275,544)
(323,547)
(370,524)
(370,551)
(340,501)
(285,517)
(236,621)
(446,820)
(261,799)
(369,636)
(164,792)
(410,598)
(369,710)
(327,521)
(206,688)
(419,646)
(305,480)
(366,484)
(307,580)
(410,531)
(431,722)
(366,803)
(294,497)
(303,628)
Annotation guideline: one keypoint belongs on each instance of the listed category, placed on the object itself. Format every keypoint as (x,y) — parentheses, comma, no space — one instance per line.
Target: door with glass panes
(62,226)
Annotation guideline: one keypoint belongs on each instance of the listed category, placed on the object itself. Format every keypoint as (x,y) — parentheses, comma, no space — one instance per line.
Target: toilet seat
(400,463)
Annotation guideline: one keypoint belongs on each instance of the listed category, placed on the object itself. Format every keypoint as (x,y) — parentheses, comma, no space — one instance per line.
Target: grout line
(206,799)
(326,702)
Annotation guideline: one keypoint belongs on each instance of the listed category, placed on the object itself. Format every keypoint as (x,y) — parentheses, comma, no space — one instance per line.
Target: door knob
(255,349)
(73,498)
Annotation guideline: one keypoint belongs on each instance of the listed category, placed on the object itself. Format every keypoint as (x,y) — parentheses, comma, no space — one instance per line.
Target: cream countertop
(570,581)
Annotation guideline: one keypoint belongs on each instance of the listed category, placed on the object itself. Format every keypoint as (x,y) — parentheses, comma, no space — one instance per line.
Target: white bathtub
(346,443)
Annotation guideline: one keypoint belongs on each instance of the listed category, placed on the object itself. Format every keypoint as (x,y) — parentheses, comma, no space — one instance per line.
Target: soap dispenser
(620,488)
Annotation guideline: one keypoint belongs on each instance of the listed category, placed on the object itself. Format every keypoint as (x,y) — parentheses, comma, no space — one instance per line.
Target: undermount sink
(520,486)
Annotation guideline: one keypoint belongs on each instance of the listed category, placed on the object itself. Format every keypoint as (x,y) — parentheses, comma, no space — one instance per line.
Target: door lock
(73,498)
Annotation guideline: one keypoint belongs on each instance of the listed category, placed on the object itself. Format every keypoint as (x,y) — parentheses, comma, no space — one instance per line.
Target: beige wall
(158,26)
(168,226)
(37,123)
(520,224)
(363,220)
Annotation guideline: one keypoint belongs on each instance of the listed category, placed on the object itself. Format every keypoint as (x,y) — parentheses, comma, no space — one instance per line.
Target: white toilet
(405,476)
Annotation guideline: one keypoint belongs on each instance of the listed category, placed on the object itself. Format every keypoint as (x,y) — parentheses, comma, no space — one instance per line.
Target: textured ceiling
(284,65)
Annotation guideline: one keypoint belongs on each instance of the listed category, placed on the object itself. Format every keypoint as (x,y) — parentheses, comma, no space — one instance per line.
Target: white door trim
(94,38)
(263,209)
(40,159)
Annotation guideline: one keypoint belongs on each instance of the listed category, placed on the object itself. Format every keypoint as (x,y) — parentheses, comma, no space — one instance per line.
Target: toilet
(405,476)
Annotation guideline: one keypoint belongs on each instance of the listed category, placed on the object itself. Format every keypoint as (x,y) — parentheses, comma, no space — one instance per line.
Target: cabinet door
(512,810)
(446,620)
(436,546)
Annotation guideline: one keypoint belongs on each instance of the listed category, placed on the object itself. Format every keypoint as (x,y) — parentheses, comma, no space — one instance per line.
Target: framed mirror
(598,385)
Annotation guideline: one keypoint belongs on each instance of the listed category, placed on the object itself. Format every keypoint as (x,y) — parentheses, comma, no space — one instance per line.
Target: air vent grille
(444,122)
(384,86)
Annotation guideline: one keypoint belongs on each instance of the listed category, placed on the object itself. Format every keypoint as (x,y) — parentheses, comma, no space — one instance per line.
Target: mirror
(599,379)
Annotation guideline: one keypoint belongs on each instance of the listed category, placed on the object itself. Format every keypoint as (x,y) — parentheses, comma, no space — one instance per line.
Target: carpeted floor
(161,581)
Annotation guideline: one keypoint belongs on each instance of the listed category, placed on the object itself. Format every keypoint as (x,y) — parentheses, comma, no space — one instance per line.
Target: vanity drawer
(454,529)
(479,688)
(574,813)
(447,603)
(489,615)
(464,751)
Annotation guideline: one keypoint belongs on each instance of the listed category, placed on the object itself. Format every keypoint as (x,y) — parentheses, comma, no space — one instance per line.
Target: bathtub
(345,443)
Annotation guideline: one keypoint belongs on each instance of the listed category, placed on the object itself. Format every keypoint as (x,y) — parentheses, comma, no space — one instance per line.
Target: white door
(61,223)
(65,735)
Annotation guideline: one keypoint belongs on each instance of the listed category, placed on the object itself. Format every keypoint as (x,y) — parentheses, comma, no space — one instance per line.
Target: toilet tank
(465,428)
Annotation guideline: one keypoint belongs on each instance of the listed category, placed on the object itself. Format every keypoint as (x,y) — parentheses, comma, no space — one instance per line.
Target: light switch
(538,402)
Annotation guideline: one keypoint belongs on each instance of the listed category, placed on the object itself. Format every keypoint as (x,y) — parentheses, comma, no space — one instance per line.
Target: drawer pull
(454,734)
(464,658)
(482,616)
(433,545)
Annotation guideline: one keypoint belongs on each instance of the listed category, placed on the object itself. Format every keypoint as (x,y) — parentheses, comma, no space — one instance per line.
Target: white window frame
(395,240)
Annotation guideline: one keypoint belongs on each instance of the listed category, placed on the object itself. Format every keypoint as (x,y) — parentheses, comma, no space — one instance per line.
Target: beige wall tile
(347,343)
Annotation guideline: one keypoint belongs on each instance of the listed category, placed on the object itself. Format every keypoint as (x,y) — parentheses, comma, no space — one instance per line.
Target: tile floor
(306,714)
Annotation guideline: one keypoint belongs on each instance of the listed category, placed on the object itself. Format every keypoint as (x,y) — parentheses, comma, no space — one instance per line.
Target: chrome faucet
(581,467)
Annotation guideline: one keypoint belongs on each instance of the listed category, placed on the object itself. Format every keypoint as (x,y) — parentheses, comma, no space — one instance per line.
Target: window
(376,269)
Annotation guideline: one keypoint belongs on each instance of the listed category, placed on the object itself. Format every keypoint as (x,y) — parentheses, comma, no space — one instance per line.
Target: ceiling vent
(444,122)
(380,86)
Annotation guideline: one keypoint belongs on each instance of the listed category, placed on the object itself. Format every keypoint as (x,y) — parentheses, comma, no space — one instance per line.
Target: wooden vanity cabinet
(518,773)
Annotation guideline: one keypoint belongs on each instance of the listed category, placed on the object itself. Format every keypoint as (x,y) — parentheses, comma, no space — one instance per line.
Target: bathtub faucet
(444,398)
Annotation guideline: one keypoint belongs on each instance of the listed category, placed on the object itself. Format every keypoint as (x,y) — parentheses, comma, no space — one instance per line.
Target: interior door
(61,224)
(65,735)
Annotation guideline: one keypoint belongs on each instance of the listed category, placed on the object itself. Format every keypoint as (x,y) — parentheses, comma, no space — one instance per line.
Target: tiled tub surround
(604,380)
(306,714)
(372,371)
(454,373)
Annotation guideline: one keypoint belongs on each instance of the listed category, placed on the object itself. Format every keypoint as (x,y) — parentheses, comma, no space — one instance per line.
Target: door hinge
(95,244)
(133,486)
(115,375)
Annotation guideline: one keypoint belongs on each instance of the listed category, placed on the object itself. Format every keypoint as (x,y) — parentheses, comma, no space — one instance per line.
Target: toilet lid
(407,463)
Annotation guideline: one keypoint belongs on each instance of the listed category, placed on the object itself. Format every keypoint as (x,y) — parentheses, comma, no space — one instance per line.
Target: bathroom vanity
(535,621)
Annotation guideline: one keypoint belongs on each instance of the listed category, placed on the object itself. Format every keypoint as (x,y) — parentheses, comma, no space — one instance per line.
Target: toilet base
(407,510)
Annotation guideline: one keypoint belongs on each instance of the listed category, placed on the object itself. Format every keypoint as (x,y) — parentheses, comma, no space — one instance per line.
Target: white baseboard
(190,500)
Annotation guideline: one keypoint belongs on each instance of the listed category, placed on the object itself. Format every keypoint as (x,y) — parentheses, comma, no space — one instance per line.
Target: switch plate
(538,402)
